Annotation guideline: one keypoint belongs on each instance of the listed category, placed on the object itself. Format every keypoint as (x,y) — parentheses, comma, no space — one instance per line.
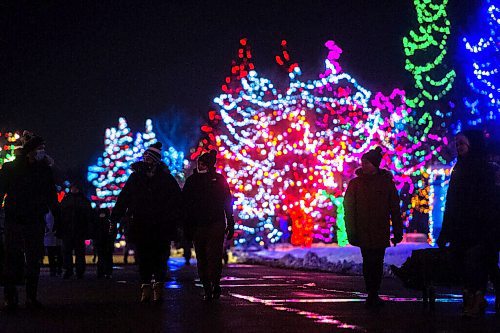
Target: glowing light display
(291,152)
(8,143)
(110,173)
(425,50)
(482,52)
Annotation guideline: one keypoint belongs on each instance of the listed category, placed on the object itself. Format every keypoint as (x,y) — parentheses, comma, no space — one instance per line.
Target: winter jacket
(207,200)
(100,232)
(30,191)
(371,202)
(76,217)
(469,205)
(152,203)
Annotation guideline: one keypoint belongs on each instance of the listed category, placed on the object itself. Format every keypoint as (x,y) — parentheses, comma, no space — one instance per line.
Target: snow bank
(326,257)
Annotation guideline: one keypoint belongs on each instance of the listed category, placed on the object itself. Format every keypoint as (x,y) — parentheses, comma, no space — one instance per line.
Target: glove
(396,240)
(230,228)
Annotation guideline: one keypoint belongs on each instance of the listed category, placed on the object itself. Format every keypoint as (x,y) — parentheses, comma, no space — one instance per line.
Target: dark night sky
(69,70)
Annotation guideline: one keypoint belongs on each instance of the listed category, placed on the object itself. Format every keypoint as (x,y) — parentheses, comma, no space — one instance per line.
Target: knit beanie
(154,152)
(209,158)
(374,156)
(33,143)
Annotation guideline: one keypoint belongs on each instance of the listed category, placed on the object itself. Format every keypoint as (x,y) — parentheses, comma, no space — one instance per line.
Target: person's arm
(448,216)
(4,176)
(350,213)
(186,206)
(228,209)
(122,202)
(395,210)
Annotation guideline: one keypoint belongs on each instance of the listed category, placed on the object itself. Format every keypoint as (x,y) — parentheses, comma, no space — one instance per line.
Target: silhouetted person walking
(371,202)
(151,198)
(209,219)
(76,219)
(104,243)
(467,217)
(29,185)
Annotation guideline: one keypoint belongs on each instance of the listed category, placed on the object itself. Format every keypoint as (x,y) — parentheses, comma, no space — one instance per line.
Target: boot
(208,296)
(476,305)
(146,293)
(31,296)
(373,301)
(158,292)
(217,291)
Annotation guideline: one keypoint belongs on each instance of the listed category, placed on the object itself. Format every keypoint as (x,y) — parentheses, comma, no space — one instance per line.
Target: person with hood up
(28,184)
(150,200)
(209,207)
(371,202)
(467,221)
(76,218)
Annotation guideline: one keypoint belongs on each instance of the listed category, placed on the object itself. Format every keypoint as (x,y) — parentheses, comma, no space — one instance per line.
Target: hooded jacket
(207,199)
(371,202)
(152,203)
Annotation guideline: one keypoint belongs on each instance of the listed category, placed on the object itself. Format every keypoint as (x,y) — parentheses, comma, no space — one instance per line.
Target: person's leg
(108,253)
(59,259)
(214,257)
(160,258)
(186,246)
(14,263)
(475,280)
(34,251)
(145,255)
(100,260)
(201,248)
(67,249)
(52,260)
(80,257)
(373,268)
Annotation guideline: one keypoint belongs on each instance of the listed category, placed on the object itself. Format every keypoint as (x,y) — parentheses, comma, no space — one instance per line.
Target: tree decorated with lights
(112,170)
(425,50)
(482,52)
(8,144)
(292,152)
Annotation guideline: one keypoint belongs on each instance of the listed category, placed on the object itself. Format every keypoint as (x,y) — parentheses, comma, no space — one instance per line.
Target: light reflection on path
(318,318)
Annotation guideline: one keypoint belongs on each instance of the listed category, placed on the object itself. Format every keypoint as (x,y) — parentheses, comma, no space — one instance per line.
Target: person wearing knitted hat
(209,219)
(29,185)
(371,203)
(150,199)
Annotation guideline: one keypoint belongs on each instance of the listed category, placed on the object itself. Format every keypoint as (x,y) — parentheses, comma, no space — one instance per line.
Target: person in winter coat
(208,203)
(104,243)
(493,245)
(53,246)
(466,222)
(28,184)
(371,202)
(76,218)
(151,198)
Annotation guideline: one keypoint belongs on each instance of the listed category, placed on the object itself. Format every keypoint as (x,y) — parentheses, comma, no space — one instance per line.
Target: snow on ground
(326,257)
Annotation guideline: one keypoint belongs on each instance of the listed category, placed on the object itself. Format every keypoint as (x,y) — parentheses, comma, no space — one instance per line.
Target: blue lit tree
(482,54)
(109,174)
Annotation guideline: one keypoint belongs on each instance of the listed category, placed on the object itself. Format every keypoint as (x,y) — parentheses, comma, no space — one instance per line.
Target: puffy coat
(371,202)
(30,190)
(76,217)
(206,199)
(152,203)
